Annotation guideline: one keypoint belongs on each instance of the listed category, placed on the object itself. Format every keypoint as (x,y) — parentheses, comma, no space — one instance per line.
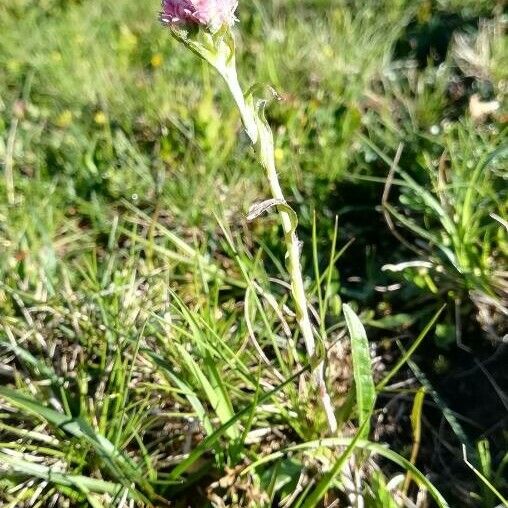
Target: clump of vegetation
(152,351)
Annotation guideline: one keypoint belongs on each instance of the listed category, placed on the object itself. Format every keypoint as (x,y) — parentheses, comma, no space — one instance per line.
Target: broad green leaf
(362,368)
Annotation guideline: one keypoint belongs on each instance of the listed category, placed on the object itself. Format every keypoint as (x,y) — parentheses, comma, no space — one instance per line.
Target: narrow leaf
(407,354)
(24,467)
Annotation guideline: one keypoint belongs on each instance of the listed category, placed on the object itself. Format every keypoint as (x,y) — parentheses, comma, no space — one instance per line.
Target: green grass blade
(43,472)
(375,448)
(213,389)
(485,481)
(447,413)
(209,441)
(324,484)
(122,466)
(407,354)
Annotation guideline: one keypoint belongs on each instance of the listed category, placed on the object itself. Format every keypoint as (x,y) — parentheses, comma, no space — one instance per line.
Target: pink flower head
(210,13)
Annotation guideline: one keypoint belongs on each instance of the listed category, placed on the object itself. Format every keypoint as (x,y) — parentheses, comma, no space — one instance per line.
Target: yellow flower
(156,60)
(64,119)
(100,118)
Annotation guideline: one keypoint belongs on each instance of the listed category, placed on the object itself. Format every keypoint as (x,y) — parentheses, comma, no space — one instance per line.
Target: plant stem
(265,151)
(248,116)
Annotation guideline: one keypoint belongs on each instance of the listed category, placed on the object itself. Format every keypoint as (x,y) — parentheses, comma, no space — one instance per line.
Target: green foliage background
(124,245)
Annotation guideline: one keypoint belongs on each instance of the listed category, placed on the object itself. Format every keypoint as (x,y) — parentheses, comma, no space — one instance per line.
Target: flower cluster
(210,13)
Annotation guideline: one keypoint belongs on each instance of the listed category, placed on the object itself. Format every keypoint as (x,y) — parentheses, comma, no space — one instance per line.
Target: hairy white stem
(265,150)
(248,116)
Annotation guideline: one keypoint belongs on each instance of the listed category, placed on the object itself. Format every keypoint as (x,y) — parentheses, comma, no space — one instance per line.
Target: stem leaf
(362,367)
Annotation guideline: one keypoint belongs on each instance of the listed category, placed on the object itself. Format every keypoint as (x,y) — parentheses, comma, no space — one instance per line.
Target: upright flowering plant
(204,26)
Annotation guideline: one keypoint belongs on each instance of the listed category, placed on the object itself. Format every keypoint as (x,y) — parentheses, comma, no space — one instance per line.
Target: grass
(149,348)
